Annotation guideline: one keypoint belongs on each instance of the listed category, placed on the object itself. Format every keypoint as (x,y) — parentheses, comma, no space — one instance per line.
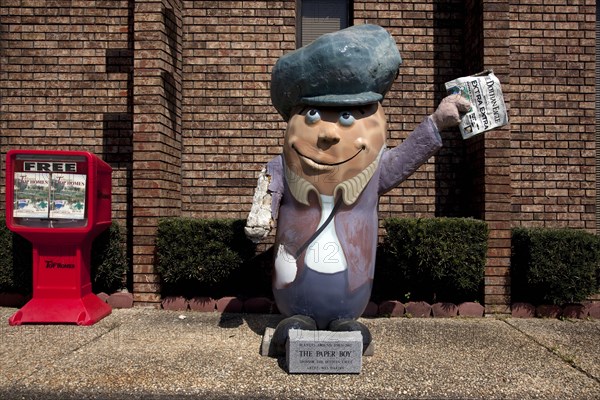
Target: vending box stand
(59,201)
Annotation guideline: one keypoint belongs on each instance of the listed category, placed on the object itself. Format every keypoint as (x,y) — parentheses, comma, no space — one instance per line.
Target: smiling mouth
(323,166)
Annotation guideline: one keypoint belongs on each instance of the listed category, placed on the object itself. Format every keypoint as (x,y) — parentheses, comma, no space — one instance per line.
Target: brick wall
(157,138)
(230,129)
(229,51)
(496,162)
(174,94)
(552,108)
(430,39)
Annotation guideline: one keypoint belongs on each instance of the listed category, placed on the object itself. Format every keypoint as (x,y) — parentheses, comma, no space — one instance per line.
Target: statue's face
(328,145)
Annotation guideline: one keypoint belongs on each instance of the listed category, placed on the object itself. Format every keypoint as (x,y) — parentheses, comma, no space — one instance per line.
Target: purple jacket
(357,224)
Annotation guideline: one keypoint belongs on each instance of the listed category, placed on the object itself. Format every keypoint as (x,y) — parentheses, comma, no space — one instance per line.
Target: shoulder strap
(321,228)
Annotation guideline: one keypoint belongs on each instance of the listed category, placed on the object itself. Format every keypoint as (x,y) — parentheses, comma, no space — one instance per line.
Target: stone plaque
(324,352)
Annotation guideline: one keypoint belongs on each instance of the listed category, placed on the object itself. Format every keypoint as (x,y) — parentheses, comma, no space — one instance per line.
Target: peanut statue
(322,193)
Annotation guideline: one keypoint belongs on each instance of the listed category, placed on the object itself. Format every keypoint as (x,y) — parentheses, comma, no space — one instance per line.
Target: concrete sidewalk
(156,354)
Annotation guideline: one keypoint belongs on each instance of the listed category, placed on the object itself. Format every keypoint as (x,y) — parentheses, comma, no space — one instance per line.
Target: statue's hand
(448,113)
(259,222)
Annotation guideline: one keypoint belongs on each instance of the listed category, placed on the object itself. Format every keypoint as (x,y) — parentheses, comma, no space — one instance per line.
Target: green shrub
(15,261)
(198,257)
(435,259)
(554,266)
(109,260)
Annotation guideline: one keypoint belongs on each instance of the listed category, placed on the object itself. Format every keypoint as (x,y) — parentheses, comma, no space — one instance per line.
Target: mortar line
(554,352)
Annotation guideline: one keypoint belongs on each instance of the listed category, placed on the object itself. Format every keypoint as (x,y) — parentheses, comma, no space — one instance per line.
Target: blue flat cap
(352,67)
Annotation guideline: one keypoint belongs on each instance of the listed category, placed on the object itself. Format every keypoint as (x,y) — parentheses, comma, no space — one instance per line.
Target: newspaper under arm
(260,222)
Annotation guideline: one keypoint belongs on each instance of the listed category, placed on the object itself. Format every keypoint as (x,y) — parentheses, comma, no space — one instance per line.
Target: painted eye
(346,118)
(313,116)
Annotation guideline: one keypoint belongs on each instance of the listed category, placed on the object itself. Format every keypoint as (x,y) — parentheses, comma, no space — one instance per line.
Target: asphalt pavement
(143,353)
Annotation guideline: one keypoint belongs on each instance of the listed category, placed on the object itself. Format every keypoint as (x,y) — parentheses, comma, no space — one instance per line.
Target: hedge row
(108,261)
(554,266)
(439,258)
(433,260)
(15,261)
(209,258)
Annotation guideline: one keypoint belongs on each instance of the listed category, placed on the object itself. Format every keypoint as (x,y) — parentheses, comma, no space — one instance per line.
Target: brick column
(156,134)
(496,147)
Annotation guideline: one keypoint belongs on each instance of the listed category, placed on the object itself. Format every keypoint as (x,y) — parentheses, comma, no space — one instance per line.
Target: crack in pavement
(566,358)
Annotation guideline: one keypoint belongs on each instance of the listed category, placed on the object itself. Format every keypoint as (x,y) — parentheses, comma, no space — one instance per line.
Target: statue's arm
(400,162)
(265,203)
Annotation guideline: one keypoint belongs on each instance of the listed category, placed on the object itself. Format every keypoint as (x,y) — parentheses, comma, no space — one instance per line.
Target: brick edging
(385,309)
(389,308)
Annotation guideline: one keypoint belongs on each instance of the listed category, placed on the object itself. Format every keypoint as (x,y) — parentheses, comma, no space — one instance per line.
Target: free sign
(45,166)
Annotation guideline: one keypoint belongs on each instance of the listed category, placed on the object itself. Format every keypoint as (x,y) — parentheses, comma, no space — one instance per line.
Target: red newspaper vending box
(60,201)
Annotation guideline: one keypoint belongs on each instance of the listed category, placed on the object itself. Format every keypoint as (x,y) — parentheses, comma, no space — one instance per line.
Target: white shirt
(324,254)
